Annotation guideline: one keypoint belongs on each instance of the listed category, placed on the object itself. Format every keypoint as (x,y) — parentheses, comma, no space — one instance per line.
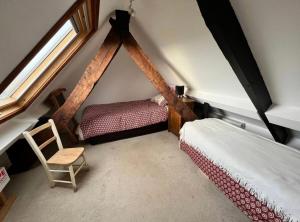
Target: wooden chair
(64,157)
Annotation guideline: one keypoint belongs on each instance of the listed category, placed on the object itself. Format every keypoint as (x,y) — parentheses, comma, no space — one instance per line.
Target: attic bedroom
(135,110)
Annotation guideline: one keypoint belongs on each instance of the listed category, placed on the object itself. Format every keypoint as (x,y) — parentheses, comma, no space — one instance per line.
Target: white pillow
(159,99)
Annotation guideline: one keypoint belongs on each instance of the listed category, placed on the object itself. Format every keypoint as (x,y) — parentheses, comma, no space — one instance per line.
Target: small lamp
(179,90)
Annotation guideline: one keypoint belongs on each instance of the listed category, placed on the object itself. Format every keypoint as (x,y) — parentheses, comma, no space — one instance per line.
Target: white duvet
(270,170)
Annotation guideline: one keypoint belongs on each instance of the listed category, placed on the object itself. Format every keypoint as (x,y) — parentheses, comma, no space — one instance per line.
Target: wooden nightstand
(175,120)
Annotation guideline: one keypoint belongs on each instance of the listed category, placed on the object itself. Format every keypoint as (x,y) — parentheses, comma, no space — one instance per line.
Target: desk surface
(12,130)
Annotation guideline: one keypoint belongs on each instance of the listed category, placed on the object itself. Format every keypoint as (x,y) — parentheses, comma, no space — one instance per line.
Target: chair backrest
(37,148)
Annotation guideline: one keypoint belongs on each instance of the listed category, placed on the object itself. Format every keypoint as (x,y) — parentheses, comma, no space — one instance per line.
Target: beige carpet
(142,179)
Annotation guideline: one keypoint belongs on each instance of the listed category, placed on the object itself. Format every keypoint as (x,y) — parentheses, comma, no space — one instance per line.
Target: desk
(12,130)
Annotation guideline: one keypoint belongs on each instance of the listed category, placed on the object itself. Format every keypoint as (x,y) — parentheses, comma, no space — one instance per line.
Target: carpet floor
(146,178)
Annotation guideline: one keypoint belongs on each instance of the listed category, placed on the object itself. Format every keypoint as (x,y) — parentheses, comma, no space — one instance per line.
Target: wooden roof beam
(118,35)
(144,63)
(91,76)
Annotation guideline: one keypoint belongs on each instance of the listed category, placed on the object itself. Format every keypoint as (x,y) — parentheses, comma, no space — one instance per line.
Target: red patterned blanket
(108,118)
(244,199)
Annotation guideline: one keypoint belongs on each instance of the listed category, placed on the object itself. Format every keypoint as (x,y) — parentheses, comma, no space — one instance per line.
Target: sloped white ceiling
(174,35)
(272,28)
(172,32)
(181,36)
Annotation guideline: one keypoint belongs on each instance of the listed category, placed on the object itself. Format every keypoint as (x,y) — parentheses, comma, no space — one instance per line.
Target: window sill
(7,102)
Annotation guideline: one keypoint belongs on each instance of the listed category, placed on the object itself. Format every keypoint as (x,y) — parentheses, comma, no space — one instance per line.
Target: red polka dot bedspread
(260,176)
(108,118)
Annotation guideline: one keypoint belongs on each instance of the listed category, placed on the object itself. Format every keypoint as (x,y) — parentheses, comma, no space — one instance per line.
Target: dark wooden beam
(144,63)
(95,14)
(91,76)
(121,23)
(222,22)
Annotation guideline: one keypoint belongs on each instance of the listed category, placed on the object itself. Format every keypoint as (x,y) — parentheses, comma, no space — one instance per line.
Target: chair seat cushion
(66,156)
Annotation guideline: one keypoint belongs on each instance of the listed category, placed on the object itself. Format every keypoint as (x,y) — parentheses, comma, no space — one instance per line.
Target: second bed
(108,122)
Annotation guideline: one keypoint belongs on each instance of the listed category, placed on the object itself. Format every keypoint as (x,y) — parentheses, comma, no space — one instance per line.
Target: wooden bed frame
(128,133)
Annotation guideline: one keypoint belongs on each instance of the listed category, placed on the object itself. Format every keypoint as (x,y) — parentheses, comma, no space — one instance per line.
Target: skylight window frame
(41,61)
(86,13)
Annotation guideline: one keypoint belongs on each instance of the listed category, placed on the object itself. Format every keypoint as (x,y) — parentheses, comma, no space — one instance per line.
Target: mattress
(244,199)
(268,170)
(108,118)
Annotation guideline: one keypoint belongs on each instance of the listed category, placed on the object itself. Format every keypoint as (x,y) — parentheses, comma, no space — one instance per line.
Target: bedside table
(175,120)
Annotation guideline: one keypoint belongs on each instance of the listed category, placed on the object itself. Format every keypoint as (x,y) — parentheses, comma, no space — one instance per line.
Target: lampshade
(179,90)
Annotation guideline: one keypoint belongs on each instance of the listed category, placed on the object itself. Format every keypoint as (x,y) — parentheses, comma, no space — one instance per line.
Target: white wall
(122,81)
(272,28)
(273,35)
(182,38)
(256,126)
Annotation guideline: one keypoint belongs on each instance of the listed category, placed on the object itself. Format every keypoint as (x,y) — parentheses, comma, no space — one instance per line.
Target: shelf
(286,116)
(232,104)
(11,131)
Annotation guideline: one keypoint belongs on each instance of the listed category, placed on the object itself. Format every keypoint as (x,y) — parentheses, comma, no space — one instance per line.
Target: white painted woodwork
(11,131)
(287,116)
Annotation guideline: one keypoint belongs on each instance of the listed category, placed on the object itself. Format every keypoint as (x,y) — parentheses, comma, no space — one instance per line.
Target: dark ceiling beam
(222,22)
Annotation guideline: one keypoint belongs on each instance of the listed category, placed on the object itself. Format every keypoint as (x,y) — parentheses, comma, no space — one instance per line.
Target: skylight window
(40,62)
(32,75)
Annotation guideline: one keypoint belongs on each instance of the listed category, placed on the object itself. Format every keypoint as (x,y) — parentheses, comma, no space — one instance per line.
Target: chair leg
(50,177)
(51,184)
(85,163)
(72,176)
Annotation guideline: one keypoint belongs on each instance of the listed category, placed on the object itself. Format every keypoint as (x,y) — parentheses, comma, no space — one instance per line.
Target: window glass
(40,62)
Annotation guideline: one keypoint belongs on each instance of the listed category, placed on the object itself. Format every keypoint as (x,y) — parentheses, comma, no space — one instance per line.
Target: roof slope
(183,50)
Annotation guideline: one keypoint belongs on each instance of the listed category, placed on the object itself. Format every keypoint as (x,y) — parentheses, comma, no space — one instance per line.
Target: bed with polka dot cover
(242,198)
